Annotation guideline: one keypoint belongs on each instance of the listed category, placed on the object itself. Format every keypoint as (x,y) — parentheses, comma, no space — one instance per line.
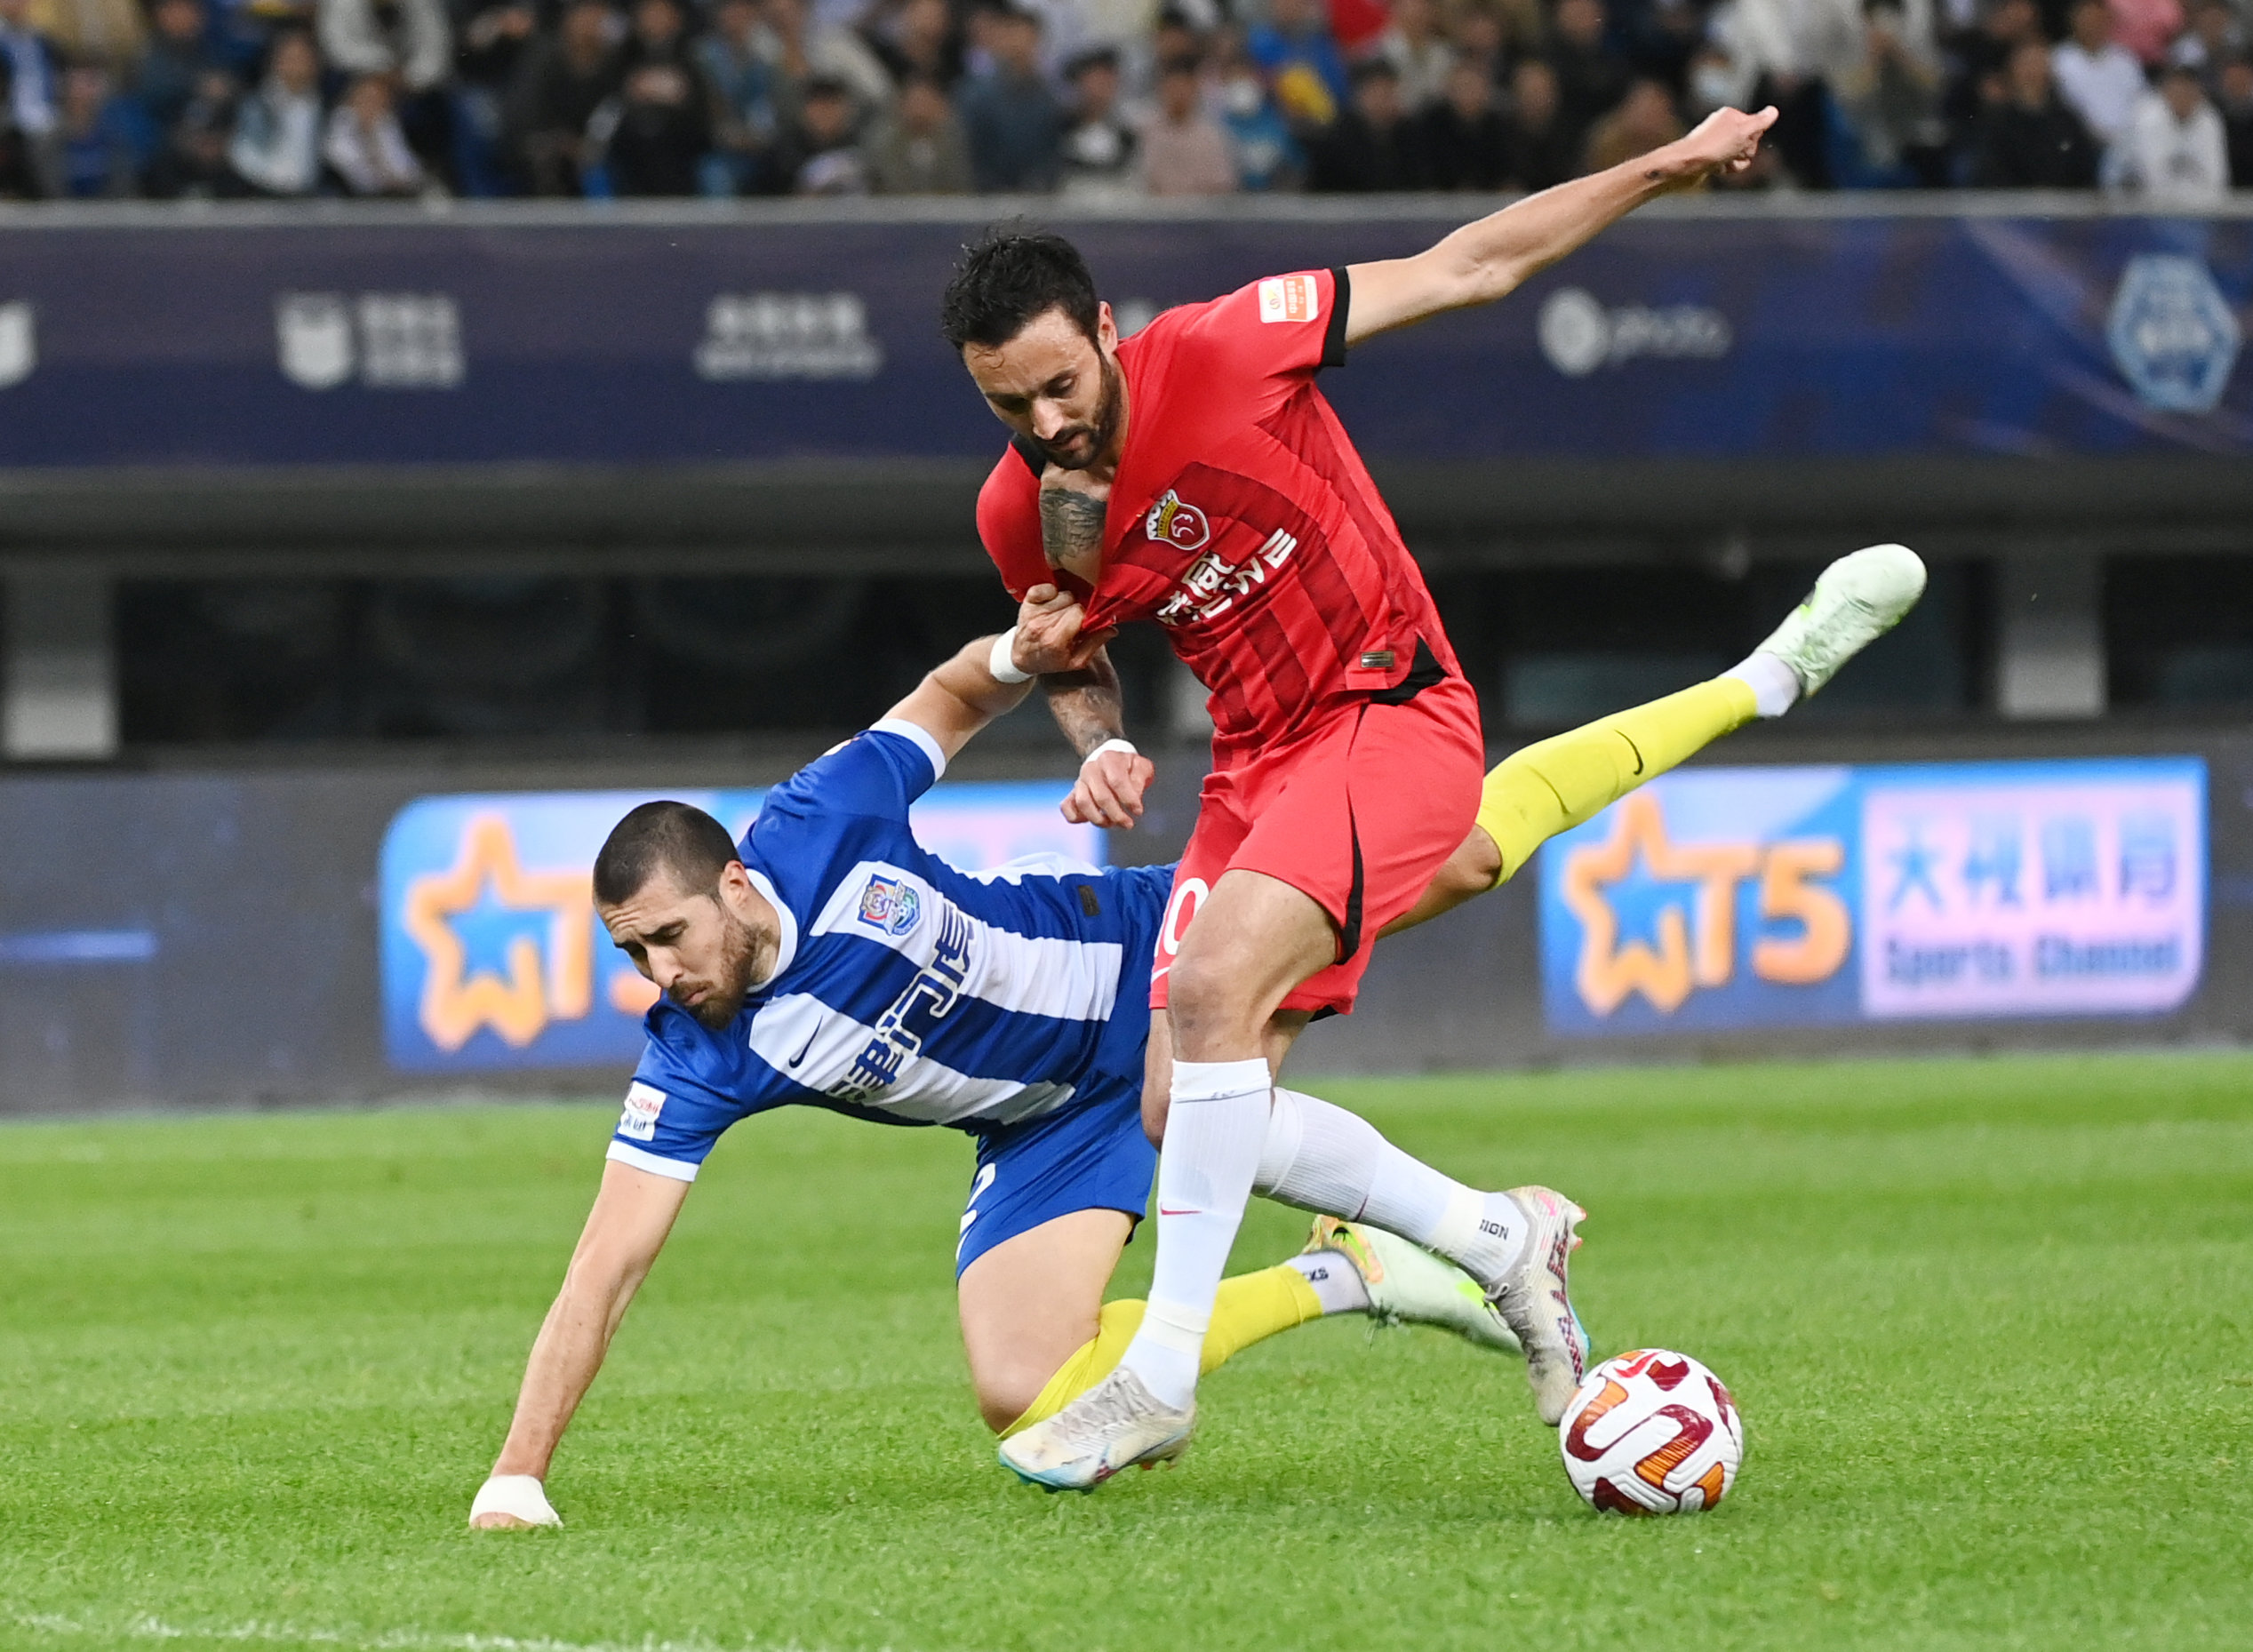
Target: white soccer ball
(1651,1432)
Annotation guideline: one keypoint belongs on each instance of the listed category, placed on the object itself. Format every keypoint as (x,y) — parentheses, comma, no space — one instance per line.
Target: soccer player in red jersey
(1194,474)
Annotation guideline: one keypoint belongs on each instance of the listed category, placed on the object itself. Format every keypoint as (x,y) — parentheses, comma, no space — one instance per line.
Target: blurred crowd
(611,97)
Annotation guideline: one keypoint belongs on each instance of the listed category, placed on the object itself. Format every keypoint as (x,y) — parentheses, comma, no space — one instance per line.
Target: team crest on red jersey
(1174,521)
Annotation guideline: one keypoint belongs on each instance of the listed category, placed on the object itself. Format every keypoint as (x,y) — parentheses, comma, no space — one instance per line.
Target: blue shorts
(1091,1154)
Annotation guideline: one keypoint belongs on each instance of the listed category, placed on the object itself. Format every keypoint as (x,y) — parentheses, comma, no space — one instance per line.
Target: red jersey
(1243,521)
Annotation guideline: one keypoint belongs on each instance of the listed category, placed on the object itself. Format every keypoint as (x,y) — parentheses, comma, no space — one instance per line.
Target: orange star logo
(1696,948)
(518,1005)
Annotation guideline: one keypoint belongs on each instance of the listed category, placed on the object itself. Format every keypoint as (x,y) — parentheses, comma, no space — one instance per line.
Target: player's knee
(1008,1393)
(1206,997)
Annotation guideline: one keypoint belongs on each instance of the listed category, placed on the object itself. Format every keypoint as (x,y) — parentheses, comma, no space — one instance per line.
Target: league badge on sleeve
(891,905)
(643,1104)
(1288,298)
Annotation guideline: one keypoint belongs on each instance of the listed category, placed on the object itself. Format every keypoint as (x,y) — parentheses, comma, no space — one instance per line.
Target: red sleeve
(1280,326)
(1008,522)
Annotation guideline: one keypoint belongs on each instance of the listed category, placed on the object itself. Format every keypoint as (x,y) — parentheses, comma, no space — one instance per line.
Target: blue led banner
(492,957)
(712,340)
(1725,898)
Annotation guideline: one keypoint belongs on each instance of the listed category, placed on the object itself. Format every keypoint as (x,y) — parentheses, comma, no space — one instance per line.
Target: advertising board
(1720,900)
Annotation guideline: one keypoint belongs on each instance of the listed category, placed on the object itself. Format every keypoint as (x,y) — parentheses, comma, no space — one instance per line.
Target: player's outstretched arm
(958,698)
(626,1228)
(1483,261)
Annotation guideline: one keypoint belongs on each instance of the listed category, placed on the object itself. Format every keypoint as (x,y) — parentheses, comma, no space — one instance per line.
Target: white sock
(1214,1131)
(1323,1158)
(1775,685)
(1337,1284)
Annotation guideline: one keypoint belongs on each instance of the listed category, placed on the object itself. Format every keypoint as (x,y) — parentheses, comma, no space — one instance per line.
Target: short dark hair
(1010,275)
(666,836)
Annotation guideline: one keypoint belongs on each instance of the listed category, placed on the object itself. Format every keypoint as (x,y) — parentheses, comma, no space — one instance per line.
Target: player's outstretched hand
(1110,790)
(1048,637)
(1727,140)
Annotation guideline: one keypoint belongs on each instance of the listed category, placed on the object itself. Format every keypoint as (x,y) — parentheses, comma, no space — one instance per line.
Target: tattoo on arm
(1071,528)
(1087,704)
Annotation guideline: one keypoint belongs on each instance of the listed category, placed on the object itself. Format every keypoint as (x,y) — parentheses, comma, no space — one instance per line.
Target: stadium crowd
(404,98)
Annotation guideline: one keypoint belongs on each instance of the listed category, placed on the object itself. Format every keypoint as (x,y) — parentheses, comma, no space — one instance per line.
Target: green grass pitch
(1988,1320)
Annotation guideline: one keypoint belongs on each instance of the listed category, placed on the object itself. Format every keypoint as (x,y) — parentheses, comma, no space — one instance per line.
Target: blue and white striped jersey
(904,990)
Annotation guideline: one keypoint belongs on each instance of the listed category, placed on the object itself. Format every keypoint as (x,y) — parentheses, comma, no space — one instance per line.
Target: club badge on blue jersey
(889,906)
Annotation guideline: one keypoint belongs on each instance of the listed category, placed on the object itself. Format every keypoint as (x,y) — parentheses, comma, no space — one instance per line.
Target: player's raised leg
(1559,783)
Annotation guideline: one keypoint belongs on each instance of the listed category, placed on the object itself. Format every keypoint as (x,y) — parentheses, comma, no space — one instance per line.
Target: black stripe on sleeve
(1034,460)
(1341,300)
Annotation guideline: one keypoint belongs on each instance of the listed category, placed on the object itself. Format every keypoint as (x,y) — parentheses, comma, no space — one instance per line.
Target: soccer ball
(1651,1432)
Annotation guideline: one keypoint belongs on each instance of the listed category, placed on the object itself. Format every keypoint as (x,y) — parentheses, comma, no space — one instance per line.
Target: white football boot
(1408,1285)
(1113,1426)
(1857,600)
(1535,1300)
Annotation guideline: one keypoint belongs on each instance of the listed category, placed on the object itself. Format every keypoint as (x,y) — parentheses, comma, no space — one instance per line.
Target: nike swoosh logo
(1163,1211)
(800,1056)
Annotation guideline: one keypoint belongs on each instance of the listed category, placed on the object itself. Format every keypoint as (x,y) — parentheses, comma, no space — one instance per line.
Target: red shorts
(1358,815)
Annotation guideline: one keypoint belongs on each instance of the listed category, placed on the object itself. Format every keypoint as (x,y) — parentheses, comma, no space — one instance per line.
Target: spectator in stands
(1419,52)
(412,41)
(190,157)
(1979,60)
(276,146)
(2176,152)
(562,81)
(740,84)
(918,147)
(1659,37)
(801,47)
(2098,78)
(1267,153)
(1185,151)
(1480,34)
(108,33)
(656,131)
(2029,139)
(2214,37)
(2236,108)
(1889,102)
(1466,141)
(2147,27)
(94,139)
(1373,146)
(35,94)
(919,38)
(659,34)
(1014,124)
(1100,151)
(176,58)
(1590,80)
(17,181)
(493,38)
(364,146)
(1644,119)
(1304,70)
(821,152)
(1543,150)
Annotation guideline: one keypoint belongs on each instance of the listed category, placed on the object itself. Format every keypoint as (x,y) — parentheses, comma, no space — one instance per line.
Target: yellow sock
(1555,783)
(1249,1308)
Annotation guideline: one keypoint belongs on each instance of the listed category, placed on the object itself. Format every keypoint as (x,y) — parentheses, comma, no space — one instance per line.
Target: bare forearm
(1498,254)
(1087,704)
(565,1357)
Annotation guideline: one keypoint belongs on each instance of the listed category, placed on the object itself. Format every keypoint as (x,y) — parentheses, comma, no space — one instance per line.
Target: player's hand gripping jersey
(911,992)
(1346,750)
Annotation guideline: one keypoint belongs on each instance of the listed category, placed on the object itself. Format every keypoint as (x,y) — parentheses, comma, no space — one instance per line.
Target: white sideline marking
(148,1627)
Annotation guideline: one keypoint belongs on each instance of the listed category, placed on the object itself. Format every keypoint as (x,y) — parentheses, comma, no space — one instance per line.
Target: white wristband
(520,1495)
(1110,745)
(1001,662)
